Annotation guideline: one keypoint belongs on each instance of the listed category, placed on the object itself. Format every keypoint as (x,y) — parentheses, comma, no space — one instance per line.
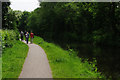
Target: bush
(7,37)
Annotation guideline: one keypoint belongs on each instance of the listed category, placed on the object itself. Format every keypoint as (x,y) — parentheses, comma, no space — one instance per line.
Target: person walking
(31,37)
(27,37)
(21,35)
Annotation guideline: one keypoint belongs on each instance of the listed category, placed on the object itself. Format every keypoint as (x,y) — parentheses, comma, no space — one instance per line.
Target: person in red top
(31,37)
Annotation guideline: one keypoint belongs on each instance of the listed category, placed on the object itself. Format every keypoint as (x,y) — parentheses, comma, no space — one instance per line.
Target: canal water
(108,58)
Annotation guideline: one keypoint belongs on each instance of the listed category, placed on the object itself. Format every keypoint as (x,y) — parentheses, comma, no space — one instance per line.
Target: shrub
(7,37)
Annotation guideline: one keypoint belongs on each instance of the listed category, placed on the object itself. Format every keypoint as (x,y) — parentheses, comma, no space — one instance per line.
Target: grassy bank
(14,53)
(0,68)
(65,64)
(13,59)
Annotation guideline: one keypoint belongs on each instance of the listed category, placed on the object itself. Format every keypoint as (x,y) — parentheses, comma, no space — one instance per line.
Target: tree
(23,21)
(8,17)
(5,6)
(75,23)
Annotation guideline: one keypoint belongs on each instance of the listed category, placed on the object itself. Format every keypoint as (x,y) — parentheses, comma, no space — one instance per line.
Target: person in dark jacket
(21,35)
(27,37)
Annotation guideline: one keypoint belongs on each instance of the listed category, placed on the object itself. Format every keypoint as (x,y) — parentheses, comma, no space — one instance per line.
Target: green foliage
(0,67)
(8,37)
(66,23)
(22,24)
(9,21)
(65,64)
(5,6)
(8,17)
(13,60)
(72,52)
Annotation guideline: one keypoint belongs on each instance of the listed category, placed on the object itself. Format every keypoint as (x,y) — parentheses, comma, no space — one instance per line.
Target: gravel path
(36,64)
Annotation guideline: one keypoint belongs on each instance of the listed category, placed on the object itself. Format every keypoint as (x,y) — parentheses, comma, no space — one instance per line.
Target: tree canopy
(73,22)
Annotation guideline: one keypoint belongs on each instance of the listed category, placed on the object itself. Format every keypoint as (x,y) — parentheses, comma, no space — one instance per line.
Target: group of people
(26,34)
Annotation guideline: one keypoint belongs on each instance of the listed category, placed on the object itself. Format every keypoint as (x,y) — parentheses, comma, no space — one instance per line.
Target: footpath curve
(36,64)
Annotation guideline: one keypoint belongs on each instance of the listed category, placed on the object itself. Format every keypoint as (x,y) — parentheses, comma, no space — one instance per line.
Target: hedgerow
(7,38)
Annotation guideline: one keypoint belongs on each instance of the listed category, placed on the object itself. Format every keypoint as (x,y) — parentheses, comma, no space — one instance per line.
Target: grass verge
(64,64)
(13,60)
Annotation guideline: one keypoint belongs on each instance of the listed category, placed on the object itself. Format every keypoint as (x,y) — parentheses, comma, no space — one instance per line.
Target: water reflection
(107,58)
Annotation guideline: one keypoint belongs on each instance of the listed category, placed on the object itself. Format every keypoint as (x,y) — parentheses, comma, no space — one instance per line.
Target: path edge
(25,57)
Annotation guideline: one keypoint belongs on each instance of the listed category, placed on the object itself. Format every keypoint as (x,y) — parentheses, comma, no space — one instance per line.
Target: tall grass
(66,64)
